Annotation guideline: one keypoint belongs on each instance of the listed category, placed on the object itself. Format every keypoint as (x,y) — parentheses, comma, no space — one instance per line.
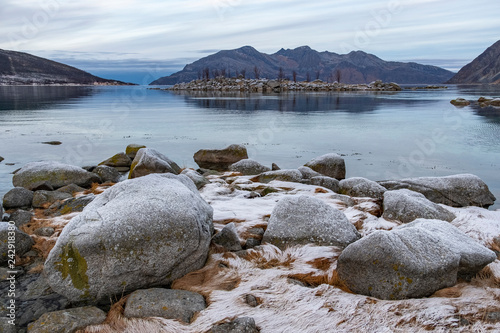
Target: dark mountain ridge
(483,69)
(19,68)
(306,63)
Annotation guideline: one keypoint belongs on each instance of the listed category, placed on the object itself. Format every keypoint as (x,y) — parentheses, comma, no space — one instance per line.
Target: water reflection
(352,102)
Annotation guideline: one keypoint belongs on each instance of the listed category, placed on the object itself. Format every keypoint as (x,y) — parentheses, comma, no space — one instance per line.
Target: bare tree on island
(338,75)
(317,75)
(256,72)
(243,72)
(308,77)
(294,75)
(281,74)
(206,73)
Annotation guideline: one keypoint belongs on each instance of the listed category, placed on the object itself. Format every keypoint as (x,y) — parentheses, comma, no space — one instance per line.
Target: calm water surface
(382,135)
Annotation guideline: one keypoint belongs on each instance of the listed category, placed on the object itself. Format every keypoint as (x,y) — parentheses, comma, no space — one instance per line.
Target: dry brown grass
(43,245)
(486,277)
(320,190)
(314,280)
(37,269)
(322,263)
(245,234)
(97,188)
(452,292)
(262,262)
(227,221)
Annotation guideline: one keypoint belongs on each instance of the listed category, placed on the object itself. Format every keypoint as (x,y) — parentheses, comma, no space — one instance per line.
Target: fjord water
(383,135)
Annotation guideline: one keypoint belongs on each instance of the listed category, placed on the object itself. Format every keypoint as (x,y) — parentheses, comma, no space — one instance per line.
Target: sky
(141,40)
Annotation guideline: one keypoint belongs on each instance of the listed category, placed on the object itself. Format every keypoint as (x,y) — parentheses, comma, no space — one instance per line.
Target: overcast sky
(138,40)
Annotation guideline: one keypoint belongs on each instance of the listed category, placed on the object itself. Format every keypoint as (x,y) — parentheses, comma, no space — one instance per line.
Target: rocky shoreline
(237,246)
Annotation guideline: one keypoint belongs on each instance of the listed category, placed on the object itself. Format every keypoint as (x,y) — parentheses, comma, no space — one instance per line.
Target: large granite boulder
(149,160)
(285,175)
(361,187)
(11,238)
(197,178)
(18,197)
(331,165)
(405,206)
(298,220)
(327,182)
(67,321)
(308,173)
(53,174)
(140,233)
(457,190)
(107,173)
(248,167)
(121,161)
(21,217)
(220,159)
(411,261)
(166,303)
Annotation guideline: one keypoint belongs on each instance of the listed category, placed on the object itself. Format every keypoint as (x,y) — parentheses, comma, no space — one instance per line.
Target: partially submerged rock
(148,161)
(139,233)
(220,159)
(331,165)
(411,261)
(361,187)
(53,174)
(460,102)
(299,220)
(457,190)
(405,206)
(165,303)
(248,166)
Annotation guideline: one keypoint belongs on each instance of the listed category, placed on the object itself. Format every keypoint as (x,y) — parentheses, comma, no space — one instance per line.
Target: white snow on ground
(286,305)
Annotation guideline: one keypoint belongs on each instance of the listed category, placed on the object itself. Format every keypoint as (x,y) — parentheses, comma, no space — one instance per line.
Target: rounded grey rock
(148,161)
(220,159)
(22,241)
(361,187)
(41,199)
(248,167)
(18,197)
(107,173)
(331,165)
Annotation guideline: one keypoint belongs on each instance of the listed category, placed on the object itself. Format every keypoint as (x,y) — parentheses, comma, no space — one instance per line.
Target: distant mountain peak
(485,68)
(306,63)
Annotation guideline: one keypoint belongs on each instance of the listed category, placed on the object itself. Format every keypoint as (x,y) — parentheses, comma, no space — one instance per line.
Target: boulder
(220,159)
(326,182)
(71,189)
(361,187)
(18,197)
(411,261)
(148,161)
(331,165)
(308,173)
(75,204)
(132,150)
(228,237)
(460,102)
(166,303)
(120,160)
(298,220)
(405,206)
(275,167)
(22,241)
(457,190)
(67,321)
(239,325)
(248,167)
(285,175)
(142,232)
(197,178)
(43,199)
(21,217)
(53,174)
(107,173)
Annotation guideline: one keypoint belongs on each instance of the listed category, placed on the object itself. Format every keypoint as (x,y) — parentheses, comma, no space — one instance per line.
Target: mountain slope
(354,67)
(484,69)
(18,68)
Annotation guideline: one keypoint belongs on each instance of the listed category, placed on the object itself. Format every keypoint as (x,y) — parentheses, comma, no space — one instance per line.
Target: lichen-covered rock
(405,206)
(220,159)
(239,325)
(148,161)
(248,167)
(71,189)
(326,182)
(53,174)
(361,187)
(411,261)
(142,232)
(18,197)
(457,190)
(68,321)
(308,173)
(118,160)
(285,175)
(107,173)
(197,178)
(228,237)
(75,204)
(298,220)
(460,102)
(43,199)
(21,217)
(132,150)
(331,165)
(166,303)
(10,234)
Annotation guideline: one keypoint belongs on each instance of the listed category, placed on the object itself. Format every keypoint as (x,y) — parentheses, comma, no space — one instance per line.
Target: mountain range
(307,64)
(18,68)
(483,69)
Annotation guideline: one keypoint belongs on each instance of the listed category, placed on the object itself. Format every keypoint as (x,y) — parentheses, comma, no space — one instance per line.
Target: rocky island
(138,243)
